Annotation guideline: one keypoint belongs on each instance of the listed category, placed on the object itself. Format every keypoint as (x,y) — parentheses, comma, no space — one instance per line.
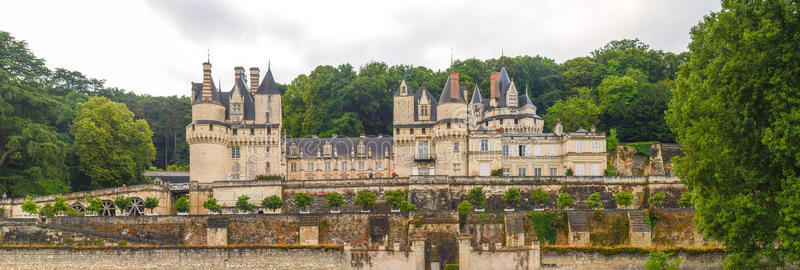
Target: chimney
(494,84)
(207,81)
(559,128)
(254,76)
(238,72)
(454,85)
(466,94)
(593,129)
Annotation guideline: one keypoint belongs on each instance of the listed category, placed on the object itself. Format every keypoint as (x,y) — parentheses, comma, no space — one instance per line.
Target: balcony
(423,157)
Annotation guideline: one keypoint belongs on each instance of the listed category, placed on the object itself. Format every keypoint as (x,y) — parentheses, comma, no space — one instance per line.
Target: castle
(236,135)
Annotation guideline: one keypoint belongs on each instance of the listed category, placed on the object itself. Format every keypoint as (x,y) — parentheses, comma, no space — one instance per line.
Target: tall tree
(575,112)
(736,112)
(113,148)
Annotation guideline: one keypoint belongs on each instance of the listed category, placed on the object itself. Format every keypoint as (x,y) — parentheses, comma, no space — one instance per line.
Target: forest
(624,86)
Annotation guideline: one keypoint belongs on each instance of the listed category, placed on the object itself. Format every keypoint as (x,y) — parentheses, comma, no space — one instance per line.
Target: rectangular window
(267,118)
(537,171)
(595,147)
(537,150)
(579,170)
(506,172)
(423,150)
(234,152)
(553,150)
(327,150)
(267,150)
(235,131)
(484,145)
(423,171)
(553,171)
(455,147)
(522,150)
(293,166)
(360,165)
(327,166)
(378,165)
(237,109)
(423,130)
(578,147)
(267,168)
(344,166)
(234,177)
(360,150)
(456,169)
(310,166)
(505,150)
(596,169)
(521,172)
(211,127)
(411,131)
(252,131)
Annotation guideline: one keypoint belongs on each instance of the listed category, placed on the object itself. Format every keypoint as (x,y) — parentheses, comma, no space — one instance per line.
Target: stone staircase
(378,227)
(103,234)
(637,221)
(515,231)
(578,221)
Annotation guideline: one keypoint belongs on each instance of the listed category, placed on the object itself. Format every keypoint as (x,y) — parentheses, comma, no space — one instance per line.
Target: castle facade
(237,135)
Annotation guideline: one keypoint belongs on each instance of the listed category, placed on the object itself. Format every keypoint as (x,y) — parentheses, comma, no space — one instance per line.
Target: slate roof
(423,91)
(397,93)
(525,100)
(197,90)
(248,104)
(476,96)
(268,85)
(447,96)
(376,147)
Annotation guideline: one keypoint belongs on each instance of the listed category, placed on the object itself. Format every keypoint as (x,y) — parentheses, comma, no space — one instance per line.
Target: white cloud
(156,47)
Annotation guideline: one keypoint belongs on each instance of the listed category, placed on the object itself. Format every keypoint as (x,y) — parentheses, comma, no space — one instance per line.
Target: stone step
(578,221)
(514,224)
(637,221)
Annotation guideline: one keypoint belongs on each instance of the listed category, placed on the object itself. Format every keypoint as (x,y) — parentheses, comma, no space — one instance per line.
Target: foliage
(477,197)
(406,206)
(335,200)
(547,224)
(174,167)
(497,172)
(735,110)
(60,206)
(512,196)
(649,219)
(274,202)
(659,260)
(568,172)
(539,196)
(302,200)
(594,201)
(611,170)
(623,198)
(365,198)
(451,266)
(95,204)
(243,203)
(30,206)
(268,177)
(212,205)
(182,204)
(465,207)
(611,140)
(575,112)
(565,200)
(395,197)
(151,203)
(656,199)
(643,148)
(122,203)
(112,147)
(686,199)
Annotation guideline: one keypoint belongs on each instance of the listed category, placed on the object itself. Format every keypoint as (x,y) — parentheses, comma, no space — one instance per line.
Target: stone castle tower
(235,135)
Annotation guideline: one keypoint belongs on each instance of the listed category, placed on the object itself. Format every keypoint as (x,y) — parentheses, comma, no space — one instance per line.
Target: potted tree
(395,199)
(511,198)
(60,207)
(477,198)
(212,206)
(95,204)
(272,203)
(540,197)
(151,203)
(593,201)
(122,204)
(565,201)
(182,206)
(657,199)
(406,206)
(624,199)
(335,201)
(31,208)
(243,205)
(463,208)
(685,200)
(302,200)
(365,199)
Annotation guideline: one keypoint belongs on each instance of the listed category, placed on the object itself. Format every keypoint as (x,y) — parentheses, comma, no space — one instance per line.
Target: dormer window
(361,150)
(293,150)
(237,109)
(424,110)
(327,149)
(267,117)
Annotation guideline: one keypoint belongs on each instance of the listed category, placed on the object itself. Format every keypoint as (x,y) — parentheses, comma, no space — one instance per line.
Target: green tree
(60,206)
(539,196)
(122,204)
(95,204)
(463,209)
(212,205)
(623,198)
(735,110)
(150,203)
(395,198)
(565,200)
(113,148)
(575,112)
(243,203)
(406,206)
(335,200)
(512,196)
(30,206)
(656,199)
(477,197)
(659,260)
(182,204)
(302,200)
(594,201)
(365,198)
(686,199)
(611,140)
(272,202)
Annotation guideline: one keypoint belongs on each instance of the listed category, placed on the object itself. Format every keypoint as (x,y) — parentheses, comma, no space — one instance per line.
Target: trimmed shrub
(594,201)
(335,200)
(623,198)
(365,198)
(657,199)
(302,200)
(30,206)
(60,207)
(182,204)
(243,203)
(150,203)
(395,198)
(212,205)
(272,202)
(95,204)
(406,206)
(123,203)
(565,200)
(477,197)
(686,199)
(512,196)
(539,196)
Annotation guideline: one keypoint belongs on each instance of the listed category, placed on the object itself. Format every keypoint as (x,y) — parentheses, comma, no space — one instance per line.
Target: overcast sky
(157,47)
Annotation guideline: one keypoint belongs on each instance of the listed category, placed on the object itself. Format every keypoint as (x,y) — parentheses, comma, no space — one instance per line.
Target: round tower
(206,134)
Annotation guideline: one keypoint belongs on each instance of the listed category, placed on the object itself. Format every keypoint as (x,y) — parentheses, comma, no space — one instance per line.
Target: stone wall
(588,259)
(13,207)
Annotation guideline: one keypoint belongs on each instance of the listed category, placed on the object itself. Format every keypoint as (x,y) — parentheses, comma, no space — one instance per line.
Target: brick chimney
(207,81)
(238,72)
(454,89)
(494,84)
(254,76)
(466,94)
